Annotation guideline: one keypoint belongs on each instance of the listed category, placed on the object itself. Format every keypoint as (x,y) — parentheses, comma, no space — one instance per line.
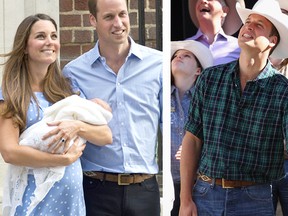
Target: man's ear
(225,11)
(198,71)
(93,21)
(273,41)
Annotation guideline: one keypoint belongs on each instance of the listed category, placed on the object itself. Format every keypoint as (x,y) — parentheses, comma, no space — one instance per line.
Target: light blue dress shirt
(135,96)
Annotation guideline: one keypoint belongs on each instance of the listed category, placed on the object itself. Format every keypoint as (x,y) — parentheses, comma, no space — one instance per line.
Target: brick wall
(77,36)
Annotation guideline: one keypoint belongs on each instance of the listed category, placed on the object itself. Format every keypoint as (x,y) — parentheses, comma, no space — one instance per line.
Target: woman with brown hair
(32,81)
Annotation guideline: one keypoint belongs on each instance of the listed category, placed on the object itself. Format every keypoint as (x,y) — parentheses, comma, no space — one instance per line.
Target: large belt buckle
(205,178)
(120,179)
(223,184)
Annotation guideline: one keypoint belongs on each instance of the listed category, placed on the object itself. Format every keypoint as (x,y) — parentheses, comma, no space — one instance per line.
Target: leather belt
(226,183)
(121,179)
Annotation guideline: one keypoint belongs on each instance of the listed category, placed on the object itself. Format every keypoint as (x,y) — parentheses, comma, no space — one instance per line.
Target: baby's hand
(102,103)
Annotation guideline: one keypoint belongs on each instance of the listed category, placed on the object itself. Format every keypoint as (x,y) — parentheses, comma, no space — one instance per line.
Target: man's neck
(210,30)
(250,66)
(115,54)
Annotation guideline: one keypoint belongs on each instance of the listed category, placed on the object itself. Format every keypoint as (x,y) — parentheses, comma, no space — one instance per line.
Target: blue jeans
(213,200)
(280,192)
(104,198)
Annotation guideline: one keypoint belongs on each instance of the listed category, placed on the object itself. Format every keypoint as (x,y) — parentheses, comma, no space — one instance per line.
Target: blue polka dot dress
(66,197)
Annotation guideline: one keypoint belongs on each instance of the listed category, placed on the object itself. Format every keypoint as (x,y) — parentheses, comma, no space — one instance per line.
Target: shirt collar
(220,35)
(268,71)
(261,79)
(174,89)
(134,51)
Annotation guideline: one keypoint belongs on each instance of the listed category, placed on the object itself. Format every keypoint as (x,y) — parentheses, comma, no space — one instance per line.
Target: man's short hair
(274,32)
(92,6)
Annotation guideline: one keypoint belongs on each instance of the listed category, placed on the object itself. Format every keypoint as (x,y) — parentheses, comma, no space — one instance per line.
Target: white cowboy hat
(283,4)
(232,21)
(202,53)
(270,9)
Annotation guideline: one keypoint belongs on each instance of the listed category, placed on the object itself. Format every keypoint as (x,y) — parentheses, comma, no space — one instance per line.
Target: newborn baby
(70,108)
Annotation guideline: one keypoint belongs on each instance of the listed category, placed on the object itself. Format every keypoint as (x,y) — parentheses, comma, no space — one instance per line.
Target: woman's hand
(74,152)
(63,133)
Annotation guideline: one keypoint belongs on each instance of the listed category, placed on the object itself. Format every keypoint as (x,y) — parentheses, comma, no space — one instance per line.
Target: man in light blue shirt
(129,77)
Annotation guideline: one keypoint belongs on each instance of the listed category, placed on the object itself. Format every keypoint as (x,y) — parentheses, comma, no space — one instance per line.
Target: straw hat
(232,21)
(270,9)
(201,52)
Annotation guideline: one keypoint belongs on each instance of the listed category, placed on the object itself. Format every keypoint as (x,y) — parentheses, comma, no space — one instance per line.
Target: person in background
(119,179)
(280,187)
(216,21)
(281,64)
(233,145)
(188,59)
(32,81)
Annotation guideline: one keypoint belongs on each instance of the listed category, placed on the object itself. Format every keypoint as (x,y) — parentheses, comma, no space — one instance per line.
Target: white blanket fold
(70,108)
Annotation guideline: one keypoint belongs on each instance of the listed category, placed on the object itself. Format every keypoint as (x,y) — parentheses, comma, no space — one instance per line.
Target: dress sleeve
(1,95)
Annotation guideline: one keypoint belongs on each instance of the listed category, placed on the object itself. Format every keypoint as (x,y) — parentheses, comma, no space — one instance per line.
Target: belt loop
(104,177)
(212,185)
(134,178)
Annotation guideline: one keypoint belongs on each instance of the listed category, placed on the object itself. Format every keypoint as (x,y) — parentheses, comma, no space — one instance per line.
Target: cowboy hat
(283,4)
(232,21)
(270,9)
(201,52)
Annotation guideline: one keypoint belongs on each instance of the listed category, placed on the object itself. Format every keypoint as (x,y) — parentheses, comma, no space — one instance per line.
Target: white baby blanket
(70,108)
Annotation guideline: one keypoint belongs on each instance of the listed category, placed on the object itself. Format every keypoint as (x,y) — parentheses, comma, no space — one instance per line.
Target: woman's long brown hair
(16,81)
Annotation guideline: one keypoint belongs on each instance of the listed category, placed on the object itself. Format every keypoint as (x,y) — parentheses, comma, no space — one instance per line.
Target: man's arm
(190,155)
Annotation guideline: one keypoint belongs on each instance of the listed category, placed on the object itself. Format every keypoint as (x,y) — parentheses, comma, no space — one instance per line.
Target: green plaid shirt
(242,132)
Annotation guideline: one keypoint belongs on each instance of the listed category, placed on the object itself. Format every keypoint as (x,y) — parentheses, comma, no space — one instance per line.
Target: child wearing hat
(188,59)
